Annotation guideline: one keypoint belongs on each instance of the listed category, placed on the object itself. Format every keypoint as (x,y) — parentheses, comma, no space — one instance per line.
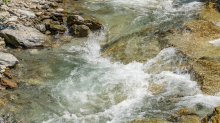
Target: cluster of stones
(27,25)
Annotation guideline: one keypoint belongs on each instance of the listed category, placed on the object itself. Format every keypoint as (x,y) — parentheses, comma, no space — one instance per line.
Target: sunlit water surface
(75,84)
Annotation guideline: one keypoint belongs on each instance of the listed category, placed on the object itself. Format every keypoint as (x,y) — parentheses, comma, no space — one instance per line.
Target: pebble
(59,10)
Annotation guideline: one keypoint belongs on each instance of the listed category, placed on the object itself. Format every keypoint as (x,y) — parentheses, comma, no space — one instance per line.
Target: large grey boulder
(7,60)
(19,35)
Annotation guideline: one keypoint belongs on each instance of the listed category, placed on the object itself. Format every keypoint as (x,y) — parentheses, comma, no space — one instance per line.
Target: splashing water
(80,86)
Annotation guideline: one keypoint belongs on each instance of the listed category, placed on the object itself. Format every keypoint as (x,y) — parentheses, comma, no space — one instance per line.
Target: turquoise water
(75,84)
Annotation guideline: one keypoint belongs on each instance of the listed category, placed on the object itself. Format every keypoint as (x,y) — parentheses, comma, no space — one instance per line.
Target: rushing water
(75,84)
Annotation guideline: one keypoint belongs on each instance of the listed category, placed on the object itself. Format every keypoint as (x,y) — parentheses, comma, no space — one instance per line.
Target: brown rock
(61,28)
(8,75)
(150,120)
(47,22)
(183,116)
(204,56)
(80,30)
(38,7)
(93,24)
(205,119)
(189,119)
(8,83)
(47,32)
(213,1)
(25,5)
(211,12)
(76,19)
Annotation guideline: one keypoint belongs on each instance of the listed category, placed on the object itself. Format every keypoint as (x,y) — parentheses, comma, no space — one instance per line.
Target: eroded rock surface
(150,120)
(183,116)
(194,42)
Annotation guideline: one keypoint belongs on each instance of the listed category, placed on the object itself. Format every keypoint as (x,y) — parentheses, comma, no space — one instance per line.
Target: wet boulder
(75,19)
(198,41)
(92,23)
(184,116)
(214,117)
(56,28)
(150,120)
(19,35)
(210,12)
(80,30)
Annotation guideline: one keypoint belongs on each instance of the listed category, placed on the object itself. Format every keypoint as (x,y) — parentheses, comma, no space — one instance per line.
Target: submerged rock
(150,120)
(211,12)
(19,35)
(8,83)
(183,116)
(194,43)
(133,47)
(214,117)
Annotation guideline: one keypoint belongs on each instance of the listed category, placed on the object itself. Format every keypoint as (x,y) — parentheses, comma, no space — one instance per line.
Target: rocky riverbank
(26,24)
(31,25)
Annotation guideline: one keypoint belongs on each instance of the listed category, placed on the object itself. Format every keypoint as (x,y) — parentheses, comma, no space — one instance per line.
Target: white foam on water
(103,91)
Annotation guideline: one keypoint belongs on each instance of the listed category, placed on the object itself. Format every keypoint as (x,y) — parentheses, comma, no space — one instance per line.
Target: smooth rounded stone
(7,60)
(60,10)
(61,28)
(80,30)
(41,27)
(33,7)
(39,13)
(42,2)
(19,35)
(47,32)
(4,7)
(26,13)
